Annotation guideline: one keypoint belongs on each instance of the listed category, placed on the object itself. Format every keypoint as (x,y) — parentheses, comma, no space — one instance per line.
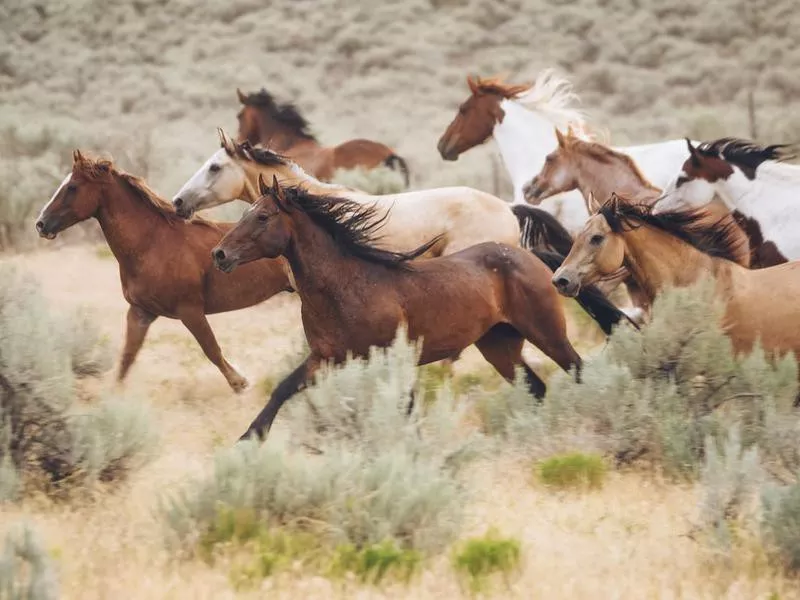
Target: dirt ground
(627,540)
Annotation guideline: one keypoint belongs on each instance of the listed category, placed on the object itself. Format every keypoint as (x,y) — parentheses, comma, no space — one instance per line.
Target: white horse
(748,178)
(522,120)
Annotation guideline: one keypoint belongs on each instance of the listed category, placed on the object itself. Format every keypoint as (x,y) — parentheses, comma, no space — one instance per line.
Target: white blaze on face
(53,197)
(218,181)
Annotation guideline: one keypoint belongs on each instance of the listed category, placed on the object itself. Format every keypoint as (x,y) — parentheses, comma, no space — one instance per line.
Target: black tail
(395,162)
(591,299)
(539,229)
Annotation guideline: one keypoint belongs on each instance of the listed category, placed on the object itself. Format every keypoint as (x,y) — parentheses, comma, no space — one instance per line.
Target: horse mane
(745,154)
(553,96)
(261,155)
(286,114)
(720,239)
(352,226)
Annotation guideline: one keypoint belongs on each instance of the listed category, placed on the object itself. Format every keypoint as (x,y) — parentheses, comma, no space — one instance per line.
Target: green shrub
(373,563)
(574,470)
(26,570)
(781,523)
(376,474)
(378,181)
(480,557)
(41,434)
(657,394)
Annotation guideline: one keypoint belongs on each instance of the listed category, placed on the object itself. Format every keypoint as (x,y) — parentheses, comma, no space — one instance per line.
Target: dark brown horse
(354,295)
(281,128)
(164,262)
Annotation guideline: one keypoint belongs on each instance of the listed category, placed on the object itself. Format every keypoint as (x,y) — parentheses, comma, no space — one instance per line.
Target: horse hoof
(239,385)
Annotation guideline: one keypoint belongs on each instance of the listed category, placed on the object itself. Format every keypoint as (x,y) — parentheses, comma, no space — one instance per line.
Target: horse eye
(72,187)
(596,240)
(263,218)
(214,168)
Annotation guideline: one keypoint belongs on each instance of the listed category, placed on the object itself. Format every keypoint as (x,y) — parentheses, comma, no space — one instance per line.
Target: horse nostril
(560,282)
(177,202)
(40,226)
(219,254)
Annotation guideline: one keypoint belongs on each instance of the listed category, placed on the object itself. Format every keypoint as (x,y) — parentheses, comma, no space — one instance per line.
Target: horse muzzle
(566,285)
(182,209)
(224,261)
(532,192)
(447,150)
(46,230)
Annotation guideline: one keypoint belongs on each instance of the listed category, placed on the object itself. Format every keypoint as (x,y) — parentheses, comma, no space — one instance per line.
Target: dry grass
(626,540)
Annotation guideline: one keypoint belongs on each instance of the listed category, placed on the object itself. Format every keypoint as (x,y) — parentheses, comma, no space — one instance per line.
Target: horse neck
(127,222)
(318,265)
(602,180)
(291,174)
(658,260)
(524,138)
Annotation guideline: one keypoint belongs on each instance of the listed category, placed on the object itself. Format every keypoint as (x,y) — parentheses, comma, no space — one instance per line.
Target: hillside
(149,80)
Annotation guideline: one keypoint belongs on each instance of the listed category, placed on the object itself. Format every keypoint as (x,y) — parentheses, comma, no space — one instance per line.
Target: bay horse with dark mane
(355,296)
(164,261)
(283,129)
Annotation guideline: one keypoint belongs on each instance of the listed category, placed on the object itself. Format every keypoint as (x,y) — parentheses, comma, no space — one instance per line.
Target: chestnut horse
(281,127)
(598,170)
(676,249)
(355,295)
(752,181)
(141,229)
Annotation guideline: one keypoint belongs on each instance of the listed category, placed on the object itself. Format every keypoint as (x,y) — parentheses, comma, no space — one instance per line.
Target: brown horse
(676,249)
(164,262)
(597,170)
(282,128)
(355,295)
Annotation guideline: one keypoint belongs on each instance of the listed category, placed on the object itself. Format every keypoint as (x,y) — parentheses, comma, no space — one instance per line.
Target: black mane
(745,154)
(286,114)
(353,226)
(260,155)
(720,239)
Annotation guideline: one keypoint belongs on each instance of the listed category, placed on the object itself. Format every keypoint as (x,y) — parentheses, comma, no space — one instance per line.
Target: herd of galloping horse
(454,265)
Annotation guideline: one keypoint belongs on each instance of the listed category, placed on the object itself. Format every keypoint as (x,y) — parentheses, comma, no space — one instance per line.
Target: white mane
(552,96)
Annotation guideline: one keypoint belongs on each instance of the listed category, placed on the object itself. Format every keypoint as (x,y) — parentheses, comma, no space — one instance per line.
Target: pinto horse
(355,295)
(676,249)
(521,118)
(598,170)
(280,126)
(753,182)
(141,229)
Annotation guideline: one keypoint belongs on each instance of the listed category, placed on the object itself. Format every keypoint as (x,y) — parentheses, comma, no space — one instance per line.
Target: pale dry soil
(625,541)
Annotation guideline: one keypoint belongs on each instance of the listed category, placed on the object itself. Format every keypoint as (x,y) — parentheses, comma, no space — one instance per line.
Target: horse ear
(693,154)
(77,157)
(570,131)
(279,195)
(562,142)
(263,188)
(225,142)
(473,85)
(592,204)
(242,97)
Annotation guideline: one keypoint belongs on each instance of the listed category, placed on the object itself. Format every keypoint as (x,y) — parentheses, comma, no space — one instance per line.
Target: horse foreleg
(293,383)
(501,346)
(138,322)
(196,322)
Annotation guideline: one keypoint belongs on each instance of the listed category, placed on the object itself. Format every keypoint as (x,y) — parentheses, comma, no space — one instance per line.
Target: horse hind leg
(501,346)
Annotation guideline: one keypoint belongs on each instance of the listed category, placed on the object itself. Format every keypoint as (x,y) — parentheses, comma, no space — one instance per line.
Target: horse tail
(538,228)
(395,162)
(590,298)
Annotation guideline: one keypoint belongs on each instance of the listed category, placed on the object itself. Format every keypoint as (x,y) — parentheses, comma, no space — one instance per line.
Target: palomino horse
(141,229)
(458,217)
(676,249)
(752,181)
(521,119)
(492,295)
(597,170)
(282,128)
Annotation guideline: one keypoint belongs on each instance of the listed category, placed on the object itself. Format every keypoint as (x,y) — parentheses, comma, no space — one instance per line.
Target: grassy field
(148,81)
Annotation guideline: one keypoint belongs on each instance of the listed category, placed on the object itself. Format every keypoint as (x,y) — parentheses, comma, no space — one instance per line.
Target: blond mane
(553,96)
